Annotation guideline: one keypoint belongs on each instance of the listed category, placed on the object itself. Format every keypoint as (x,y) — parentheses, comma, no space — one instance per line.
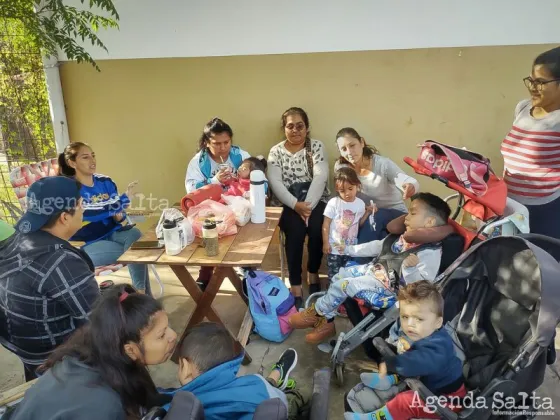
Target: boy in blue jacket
(208,366)
(425,350)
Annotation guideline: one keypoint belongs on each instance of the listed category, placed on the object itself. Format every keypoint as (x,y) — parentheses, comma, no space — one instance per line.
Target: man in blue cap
(47,286)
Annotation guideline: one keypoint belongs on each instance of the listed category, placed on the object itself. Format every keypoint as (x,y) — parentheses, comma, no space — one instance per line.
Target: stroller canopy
(500,288)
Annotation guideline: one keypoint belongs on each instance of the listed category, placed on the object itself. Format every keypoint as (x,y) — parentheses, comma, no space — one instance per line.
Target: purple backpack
(271,304)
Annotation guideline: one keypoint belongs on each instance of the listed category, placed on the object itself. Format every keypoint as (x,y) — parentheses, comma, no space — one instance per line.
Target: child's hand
(371,209)
(341,249)
(408,191)
(382,369)
(327,249)
(411,261)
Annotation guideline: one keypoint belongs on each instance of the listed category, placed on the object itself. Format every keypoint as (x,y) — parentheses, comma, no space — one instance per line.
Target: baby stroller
(495,215)
(502,306)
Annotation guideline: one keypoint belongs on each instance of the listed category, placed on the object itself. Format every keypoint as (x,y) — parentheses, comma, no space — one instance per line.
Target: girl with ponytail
(101,371)
(105,232)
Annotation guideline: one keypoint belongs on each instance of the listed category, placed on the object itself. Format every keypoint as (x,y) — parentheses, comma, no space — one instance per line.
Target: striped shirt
(531,152)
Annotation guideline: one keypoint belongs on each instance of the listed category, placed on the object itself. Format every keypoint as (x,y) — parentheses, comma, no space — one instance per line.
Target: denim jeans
(108,251)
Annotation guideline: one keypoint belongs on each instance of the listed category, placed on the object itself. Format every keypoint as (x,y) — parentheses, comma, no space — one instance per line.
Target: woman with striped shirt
(531,150)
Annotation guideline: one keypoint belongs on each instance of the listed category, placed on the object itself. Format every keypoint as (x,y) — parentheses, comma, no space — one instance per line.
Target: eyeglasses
(537,84)
(297,127)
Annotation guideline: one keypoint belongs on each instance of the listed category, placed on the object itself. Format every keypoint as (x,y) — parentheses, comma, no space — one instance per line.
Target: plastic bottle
(210,237)
(173,237)
(257,197)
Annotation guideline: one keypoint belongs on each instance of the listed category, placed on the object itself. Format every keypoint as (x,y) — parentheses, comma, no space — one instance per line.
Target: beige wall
(143,117)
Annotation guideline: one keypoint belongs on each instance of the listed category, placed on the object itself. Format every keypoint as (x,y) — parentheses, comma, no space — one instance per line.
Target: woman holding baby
(216,162)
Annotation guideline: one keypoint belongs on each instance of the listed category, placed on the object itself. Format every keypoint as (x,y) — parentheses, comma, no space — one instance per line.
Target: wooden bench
(14,395)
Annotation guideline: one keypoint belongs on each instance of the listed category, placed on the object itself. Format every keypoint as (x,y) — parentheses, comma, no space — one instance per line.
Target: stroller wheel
(339,373)
(312,298)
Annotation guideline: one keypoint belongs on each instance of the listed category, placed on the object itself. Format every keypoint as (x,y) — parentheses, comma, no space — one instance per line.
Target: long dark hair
(308,152)
(369,150)
(70,153)
(551,60)
(213,127)
(100,344)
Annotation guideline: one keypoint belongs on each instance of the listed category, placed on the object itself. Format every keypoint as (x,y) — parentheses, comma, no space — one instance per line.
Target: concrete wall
(144,117)
(203,28)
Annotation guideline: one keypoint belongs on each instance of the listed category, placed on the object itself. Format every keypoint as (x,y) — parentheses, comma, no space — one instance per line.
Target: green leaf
(52,25)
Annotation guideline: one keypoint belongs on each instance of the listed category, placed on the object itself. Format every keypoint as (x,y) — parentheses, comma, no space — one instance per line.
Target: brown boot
(304,319)
(323,330)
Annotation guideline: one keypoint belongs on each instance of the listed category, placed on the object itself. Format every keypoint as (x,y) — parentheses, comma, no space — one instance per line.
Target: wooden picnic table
(245,249)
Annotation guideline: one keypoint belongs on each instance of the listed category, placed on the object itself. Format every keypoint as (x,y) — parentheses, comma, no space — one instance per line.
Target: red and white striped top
(531,152)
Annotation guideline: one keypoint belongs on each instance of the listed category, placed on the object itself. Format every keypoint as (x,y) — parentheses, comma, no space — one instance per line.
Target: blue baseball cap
(46,197)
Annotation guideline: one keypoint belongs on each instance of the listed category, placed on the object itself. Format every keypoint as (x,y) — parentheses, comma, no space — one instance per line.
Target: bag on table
(241,207)
(469,169)
(271,304)
(220,213)
(175,215)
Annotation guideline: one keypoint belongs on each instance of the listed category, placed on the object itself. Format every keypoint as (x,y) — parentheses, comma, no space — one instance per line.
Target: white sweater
(383,183)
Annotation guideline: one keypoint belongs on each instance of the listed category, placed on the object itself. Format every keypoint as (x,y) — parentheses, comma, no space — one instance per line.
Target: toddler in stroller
(397,260)
(501,308)
(424,349)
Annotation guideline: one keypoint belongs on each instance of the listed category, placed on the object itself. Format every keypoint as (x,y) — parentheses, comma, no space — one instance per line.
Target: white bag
(175,214)
(241,207)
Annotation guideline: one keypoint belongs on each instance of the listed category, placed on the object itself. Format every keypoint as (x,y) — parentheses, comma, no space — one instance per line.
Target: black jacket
(70,390)
(47,289)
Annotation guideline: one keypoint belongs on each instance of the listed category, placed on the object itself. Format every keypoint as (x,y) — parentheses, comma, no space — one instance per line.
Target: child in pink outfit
(240,186)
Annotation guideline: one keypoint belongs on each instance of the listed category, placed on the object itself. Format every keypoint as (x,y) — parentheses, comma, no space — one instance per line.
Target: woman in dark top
(101,371)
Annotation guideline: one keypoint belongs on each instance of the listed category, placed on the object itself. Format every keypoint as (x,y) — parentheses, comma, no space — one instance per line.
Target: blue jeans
(108,250)
(543,219)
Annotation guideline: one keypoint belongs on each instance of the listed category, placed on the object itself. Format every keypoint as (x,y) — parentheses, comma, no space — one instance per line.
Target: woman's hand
(224,175)
(303,208)
(326,248)
(130,188)
(408,191)
(118,217)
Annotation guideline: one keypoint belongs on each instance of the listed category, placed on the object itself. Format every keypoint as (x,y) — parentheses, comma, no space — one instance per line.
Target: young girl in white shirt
(343,216)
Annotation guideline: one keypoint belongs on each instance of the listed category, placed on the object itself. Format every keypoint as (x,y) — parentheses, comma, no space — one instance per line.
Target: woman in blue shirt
(104,231)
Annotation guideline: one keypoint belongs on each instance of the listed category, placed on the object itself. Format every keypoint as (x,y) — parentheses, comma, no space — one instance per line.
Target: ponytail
(70,154)
(63,168)
(119,317)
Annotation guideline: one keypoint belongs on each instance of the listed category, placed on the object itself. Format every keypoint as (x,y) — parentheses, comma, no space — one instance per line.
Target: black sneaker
(202,285)
(285,365)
